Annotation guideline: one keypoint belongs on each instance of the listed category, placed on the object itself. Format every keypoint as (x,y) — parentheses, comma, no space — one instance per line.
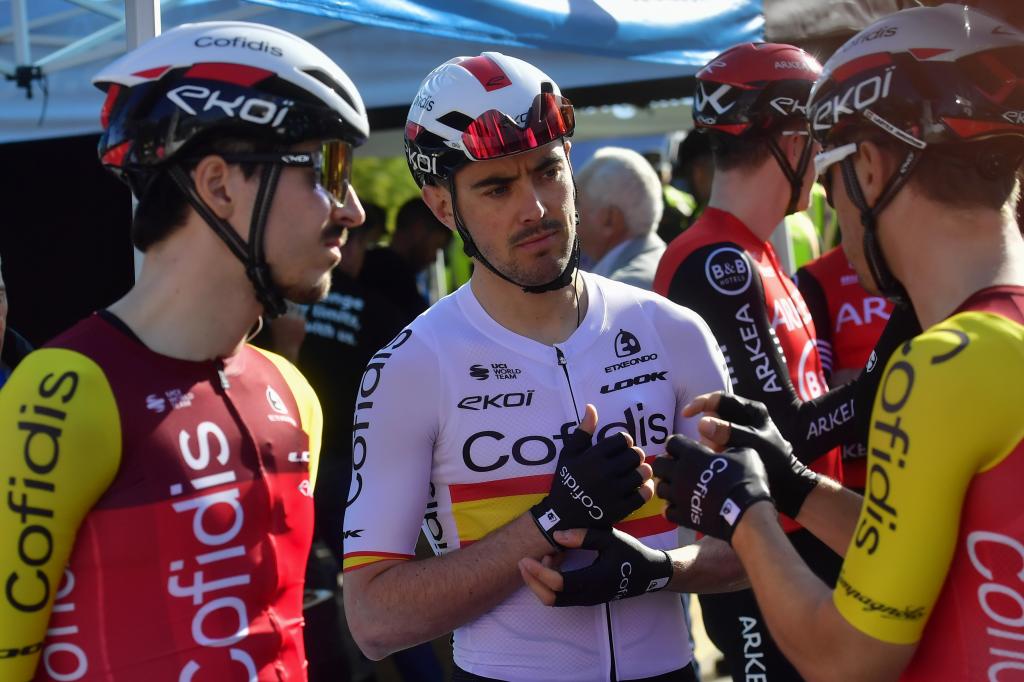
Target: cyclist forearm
(707,566)
(397,604)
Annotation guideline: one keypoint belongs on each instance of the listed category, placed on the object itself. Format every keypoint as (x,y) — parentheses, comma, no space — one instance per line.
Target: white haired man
(620,207)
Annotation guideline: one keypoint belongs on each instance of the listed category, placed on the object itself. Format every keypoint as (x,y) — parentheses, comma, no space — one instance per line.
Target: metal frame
(132,23)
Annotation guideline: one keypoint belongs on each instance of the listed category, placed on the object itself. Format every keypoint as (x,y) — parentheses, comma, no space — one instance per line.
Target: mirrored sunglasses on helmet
(494,134)
(332,162)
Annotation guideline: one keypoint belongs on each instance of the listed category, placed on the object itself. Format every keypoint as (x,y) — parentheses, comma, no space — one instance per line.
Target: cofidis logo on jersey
(727,271)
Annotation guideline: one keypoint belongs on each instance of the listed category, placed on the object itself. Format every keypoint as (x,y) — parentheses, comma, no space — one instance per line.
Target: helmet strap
(250,254)
(885,280)
(794,175)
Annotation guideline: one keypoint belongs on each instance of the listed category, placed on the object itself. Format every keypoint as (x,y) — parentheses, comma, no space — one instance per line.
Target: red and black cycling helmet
(929,77)
(211,80)
(754,89)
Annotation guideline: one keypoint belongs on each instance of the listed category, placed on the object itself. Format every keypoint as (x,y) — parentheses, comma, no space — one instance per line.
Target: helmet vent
(456,120)
(334,85)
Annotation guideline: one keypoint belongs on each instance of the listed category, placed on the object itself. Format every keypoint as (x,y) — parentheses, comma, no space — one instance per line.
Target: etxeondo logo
(626,344)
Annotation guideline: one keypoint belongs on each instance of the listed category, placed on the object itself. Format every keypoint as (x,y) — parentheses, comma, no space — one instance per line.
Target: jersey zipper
(611,641)
(564,364)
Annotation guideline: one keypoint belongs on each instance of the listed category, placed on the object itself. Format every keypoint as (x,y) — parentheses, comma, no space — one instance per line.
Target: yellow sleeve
(309,407)
(60,448)
(948,407)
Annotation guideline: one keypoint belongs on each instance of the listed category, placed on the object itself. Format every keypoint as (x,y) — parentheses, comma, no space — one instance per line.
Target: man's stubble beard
(542,270)
(307,295)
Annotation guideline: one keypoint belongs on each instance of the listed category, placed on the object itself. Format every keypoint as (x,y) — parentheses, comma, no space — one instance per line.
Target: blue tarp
(388,46)
(684,32)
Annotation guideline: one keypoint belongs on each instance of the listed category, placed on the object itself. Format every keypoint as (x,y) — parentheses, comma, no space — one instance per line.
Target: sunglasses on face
(332,162)
(828,158)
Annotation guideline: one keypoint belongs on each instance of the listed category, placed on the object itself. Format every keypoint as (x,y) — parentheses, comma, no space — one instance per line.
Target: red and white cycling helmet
(478,108)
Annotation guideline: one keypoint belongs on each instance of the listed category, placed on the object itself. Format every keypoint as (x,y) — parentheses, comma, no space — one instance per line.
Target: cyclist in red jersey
(919,118)
(848,319)
(159,471)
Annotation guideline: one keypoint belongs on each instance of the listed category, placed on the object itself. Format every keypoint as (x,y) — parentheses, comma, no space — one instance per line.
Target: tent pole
(19,25)
(141,22)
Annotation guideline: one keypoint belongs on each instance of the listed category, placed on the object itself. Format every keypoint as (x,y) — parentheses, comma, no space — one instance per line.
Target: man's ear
(215,186)
(613,223)
(439,200)
(794,147)
(873,167)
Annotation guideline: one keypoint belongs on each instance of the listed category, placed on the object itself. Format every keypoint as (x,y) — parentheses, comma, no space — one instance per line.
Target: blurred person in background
(678,206)
(393,270)
(695,169)
(620,205)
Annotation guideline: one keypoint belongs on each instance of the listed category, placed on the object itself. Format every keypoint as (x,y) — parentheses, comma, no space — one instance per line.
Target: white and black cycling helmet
(930,77)
(479,108)
(229,79)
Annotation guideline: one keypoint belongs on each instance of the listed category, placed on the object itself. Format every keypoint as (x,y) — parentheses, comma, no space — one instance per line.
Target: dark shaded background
(65,239)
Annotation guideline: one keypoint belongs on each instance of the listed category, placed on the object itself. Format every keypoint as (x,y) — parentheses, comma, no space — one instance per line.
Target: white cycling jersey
(458,426)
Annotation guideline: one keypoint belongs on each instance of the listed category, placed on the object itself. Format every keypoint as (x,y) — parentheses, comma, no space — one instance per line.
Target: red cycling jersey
(721,270)
(849,320)
(184,488)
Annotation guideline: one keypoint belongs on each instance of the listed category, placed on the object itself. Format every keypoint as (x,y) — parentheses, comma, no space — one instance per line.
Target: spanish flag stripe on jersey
(354,560)
(481,508)
(523,485)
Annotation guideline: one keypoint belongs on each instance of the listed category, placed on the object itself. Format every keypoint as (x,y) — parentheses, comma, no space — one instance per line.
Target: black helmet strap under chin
(885,280)
(473,251)
(794,175)
(251,254)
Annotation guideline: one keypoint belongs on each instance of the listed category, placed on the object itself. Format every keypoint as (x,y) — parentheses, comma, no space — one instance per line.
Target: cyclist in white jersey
(465,423)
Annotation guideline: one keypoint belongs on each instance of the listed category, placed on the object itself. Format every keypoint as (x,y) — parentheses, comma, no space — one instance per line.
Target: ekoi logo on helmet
(852,100)
(703,102)
(251,109)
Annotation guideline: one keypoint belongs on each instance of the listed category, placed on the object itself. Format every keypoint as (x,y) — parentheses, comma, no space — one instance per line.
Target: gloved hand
(625,567)
(708,491)
(593,486)
(789,480)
